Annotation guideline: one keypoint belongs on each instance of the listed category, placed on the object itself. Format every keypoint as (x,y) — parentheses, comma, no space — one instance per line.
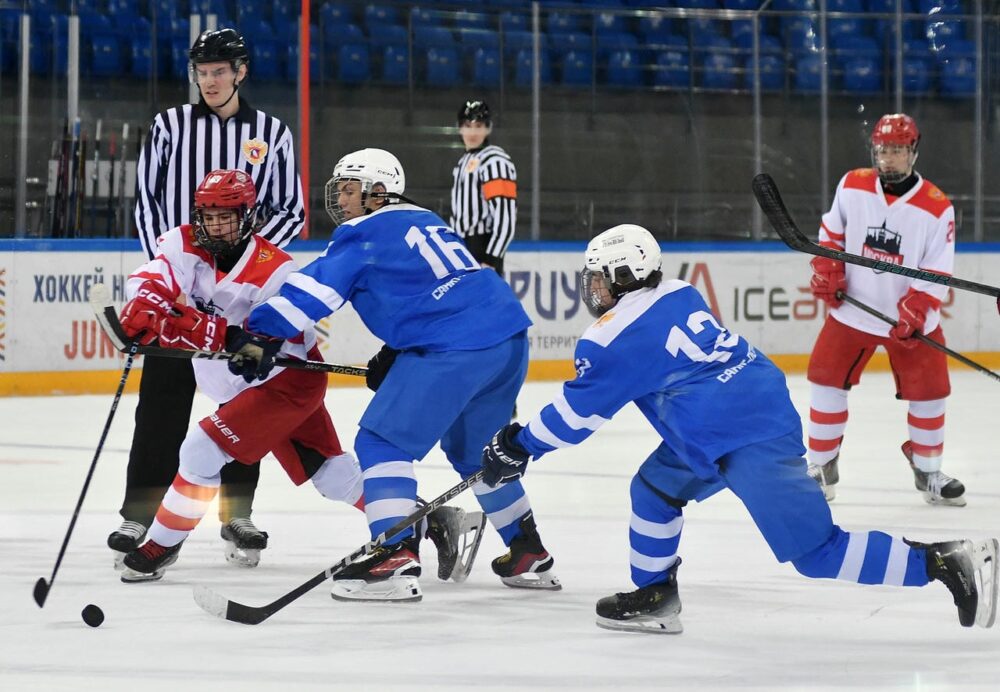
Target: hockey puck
(93,615)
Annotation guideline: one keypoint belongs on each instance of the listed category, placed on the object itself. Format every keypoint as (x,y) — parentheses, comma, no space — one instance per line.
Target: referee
(484,193)
(221,131)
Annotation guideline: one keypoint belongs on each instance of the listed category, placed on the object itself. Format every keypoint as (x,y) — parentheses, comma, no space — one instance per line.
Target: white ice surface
(750,623)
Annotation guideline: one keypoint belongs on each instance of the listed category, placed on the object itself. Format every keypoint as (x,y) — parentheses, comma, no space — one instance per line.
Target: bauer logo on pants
(254,150)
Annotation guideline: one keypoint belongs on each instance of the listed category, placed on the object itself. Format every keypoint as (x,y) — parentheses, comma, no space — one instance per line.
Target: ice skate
(124,540)
(827,475)
(653,609)
(149,562)
(969,570)
(456,535)
(244,541)
(527,564)
(936,487)
(389,574)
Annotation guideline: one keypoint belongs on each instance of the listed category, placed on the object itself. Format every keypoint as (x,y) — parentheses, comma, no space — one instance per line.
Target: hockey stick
(107,317)
(766,192)
(919,337)
(43,587)
(221,607)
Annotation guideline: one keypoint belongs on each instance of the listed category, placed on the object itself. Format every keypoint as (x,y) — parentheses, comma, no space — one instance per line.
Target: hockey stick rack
(919,337)
(769,199)
(107,317)
(221,607)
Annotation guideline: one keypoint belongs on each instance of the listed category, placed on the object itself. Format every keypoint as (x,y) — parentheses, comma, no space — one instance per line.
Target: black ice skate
(827,475)
(653,609)
(969,570)
(388,574)
(124,540)
(149,562)
(936,487)
(527,564)
(244,541)
(456,535)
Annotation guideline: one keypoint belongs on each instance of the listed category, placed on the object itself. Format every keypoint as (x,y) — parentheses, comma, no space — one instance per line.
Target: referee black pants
(162,418)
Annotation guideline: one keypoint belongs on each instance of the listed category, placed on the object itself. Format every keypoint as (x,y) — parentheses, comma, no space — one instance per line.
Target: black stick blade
(41,591)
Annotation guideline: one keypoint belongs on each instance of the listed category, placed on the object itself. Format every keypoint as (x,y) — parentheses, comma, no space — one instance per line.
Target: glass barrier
(652,115)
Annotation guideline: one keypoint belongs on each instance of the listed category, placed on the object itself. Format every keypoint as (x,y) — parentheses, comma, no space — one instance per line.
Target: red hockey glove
(187,327)
(913,309)
(828,278)
(143,315)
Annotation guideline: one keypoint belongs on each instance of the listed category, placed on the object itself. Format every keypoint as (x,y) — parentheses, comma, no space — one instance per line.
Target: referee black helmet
(220,45)
(474,110)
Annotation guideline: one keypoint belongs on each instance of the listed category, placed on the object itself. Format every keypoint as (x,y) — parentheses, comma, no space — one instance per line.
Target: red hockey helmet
(225,189)
(896,128)
(894,147)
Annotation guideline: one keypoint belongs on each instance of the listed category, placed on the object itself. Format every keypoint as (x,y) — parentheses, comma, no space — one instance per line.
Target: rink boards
(50,343)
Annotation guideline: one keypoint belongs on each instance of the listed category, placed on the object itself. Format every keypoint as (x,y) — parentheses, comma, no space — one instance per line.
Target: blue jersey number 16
(448,252)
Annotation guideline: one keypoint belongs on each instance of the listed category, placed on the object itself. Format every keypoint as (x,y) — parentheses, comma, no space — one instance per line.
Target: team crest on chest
(472,165)
(254,151)
(882,244)
(265,255)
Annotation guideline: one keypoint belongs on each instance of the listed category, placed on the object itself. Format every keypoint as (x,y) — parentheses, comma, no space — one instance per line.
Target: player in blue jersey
(726,420)
(461,338)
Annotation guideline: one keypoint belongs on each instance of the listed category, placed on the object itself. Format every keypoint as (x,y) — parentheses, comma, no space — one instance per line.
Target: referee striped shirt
(187,142)
(484,197)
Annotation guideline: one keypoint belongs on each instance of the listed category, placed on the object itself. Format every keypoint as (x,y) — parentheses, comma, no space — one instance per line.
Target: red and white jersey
(187,270)
(915,230)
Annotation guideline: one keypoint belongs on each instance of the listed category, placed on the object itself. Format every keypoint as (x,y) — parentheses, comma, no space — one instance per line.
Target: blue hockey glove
(378,367)
(504,460)
(255,353)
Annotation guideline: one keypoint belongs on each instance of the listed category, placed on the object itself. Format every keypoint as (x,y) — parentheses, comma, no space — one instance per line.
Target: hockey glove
(913,309)
(828,278)
(378,367)
(143,316)
(255,353)
(504,460)
(187,327)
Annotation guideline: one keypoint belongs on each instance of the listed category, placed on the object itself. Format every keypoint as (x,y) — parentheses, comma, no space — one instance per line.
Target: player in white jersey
(205,276)
(657,345)
(887,212)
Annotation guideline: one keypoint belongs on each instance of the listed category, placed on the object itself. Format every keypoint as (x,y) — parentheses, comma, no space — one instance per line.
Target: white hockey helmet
(622,259)
(369,167)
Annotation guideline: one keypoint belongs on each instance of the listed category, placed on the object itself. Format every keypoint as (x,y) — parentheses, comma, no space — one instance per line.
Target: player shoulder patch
(930,198)
(254,151)
(861,179)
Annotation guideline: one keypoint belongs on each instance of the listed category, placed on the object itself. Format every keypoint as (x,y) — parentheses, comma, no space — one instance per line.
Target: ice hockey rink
(750,623)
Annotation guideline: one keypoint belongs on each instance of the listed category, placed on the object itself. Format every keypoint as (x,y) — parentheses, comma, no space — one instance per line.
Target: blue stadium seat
(256,29)
(939,6)
(106,60)
(517,41)
(862,75)
(395,65)
(916,75)
(515,21)
(792,5)
(575,41)
(704,29)
(654,26)
(524,68)
(471,39)
(264,59)
(336,13)
(768,43)
(379,16)
(609,22)
(741,4)
(486,67)
(389,35)
(718,65)
(140,58)
(941,32)
(624,69)
(849,26)
(353,63)
(577,68)
(336,35)
(464,19)
(563,22)
(442,67)
(672,69)
(958,77)
(177,64)
(697,4)
(854,46)
(772,73)
(807,73)
(801,36)
(621,41)
(292,61)
(423,16)
(427,35)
